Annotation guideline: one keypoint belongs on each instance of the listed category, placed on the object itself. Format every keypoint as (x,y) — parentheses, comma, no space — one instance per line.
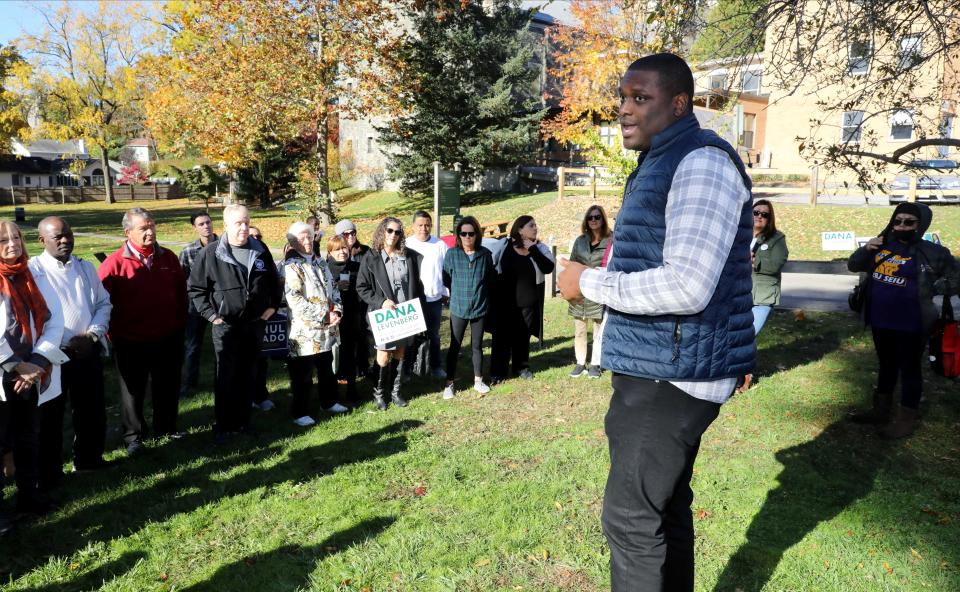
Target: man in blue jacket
(678,325)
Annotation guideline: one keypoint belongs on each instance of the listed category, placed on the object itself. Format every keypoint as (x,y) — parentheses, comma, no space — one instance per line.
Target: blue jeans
(760,314)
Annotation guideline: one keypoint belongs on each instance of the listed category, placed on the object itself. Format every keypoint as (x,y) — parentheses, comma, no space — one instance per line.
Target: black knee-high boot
(395,393)
(383,383)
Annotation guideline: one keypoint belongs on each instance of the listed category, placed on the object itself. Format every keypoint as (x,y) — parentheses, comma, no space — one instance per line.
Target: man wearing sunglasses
(905,272)
(678,327)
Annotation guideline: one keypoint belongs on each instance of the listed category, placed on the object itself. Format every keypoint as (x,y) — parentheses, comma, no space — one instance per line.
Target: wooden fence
(64,195)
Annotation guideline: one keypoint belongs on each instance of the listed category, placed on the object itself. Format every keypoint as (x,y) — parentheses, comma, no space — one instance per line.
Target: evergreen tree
(468,92)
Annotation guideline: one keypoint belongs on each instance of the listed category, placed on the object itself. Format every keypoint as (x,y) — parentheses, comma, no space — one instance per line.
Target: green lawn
(503,492)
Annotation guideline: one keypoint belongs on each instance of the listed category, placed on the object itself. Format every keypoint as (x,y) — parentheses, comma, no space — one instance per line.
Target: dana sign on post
(843,240)
(403,321)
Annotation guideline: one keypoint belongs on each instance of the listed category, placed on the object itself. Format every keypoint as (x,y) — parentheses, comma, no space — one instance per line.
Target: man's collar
(51,260)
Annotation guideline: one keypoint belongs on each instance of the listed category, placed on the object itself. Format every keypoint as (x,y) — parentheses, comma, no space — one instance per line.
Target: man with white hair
(233,284)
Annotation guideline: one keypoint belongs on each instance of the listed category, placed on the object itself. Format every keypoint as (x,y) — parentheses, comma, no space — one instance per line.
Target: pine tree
(469,92)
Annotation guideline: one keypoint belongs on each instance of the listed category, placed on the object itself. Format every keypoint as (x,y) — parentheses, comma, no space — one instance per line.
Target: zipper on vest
(677,337)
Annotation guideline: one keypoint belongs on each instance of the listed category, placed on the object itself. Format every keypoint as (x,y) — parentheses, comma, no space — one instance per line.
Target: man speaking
(678,328)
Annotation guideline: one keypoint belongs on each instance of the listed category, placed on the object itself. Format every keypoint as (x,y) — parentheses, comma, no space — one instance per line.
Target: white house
(47,163)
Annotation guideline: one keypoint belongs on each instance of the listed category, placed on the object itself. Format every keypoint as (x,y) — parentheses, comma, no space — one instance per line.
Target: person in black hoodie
(389,274)
(352,326)
(905,272)
(234,285)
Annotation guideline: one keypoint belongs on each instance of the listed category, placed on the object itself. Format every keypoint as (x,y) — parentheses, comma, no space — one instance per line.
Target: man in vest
(678,329)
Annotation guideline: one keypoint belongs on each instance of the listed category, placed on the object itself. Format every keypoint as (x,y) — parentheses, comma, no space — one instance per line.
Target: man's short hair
(422,214)
(673,73)
(132,213)
(197,215)
(227,211)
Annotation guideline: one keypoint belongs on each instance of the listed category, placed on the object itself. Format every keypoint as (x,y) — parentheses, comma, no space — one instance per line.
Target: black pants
(301,382)
(347,371)
(654,431)
(900,353)
(512,337)
(158,362)
(458,329)
(236,348)
(20,432)
(196,329)
(82,384)
(260,392)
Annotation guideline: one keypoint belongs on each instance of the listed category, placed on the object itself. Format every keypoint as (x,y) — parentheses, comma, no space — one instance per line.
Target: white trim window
(901,125)
(908,54)
(851,126)
(946,131)
(718,82)
(370,145)
(751,82)
(859,53)
(608,134)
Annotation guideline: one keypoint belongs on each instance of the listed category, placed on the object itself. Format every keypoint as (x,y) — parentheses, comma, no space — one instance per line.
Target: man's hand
(569,280)
(218,321)
(81,346)
(388,305)
(268,313)
(27,375)
(343,285)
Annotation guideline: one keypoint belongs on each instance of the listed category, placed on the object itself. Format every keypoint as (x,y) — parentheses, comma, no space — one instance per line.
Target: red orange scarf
(24,295)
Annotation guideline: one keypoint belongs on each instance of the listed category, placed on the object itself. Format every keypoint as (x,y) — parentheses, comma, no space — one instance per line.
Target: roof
(55,147)
(24,164)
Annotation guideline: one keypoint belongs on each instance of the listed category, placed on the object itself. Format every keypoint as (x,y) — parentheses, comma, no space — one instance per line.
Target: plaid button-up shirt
(702,215)
(468,281)
(187,256)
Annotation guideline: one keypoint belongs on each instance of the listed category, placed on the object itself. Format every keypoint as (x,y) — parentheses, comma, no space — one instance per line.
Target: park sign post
(403,321)
(446,194)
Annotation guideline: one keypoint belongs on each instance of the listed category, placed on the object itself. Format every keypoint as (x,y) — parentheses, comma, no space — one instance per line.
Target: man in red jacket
(149,295)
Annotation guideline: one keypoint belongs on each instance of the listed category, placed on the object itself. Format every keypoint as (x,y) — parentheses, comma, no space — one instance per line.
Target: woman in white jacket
(30,358)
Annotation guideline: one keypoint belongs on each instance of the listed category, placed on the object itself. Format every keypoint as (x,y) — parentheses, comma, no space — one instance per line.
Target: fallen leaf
(702,514)
(887,567)
(916,555)
(420,491)
(826,563)
(163,577)
(546,554)
(74,566)
(347,582)
(559,506)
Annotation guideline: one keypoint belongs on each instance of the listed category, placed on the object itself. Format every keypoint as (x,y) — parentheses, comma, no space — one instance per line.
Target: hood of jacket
(921,211)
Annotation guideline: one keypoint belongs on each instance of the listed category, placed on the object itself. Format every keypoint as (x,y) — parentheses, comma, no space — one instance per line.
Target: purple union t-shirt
(894,293)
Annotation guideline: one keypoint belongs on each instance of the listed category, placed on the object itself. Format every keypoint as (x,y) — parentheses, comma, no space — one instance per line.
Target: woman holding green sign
(389,275)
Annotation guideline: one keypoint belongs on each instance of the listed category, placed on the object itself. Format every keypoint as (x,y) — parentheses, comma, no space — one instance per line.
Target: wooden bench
(497,229)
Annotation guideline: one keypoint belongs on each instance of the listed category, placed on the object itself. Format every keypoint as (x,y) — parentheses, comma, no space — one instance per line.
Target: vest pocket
(677,338)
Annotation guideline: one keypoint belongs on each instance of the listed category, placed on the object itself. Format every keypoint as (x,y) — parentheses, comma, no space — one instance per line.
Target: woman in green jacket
(588,249)
(769,253)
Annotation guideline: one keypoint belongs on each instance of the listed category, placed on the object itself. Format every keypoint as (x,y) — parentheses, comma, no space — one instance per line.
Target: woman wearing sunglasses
(588,249)
(389,274)
(467,272)
(905,272)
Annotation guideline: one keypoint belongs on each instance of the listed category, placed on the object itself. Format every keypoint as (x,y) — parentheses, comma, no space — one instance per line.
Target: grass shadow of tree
(288,567)
(98,577)
(820,478)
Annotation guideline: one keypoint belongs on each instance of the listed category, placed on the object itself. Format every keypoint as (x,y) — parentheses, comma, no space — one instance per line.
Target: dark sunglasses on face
(349,232)
(905,222)
(467,234)
(759,214)
(392,230)
(595,217)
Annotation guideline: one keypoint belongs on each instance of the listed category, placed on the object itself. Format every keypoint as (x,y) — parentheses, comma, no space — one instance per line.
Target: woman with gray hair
(315,311)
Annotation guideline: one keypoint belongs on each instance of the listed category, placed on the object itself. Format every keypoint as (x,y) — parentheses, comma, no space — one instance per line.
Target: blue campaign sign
(275,337)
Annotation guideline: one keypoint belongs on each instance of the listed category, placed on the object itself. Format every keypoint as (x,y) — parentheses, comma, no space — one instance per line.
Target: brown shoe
(879,414)
(901,427)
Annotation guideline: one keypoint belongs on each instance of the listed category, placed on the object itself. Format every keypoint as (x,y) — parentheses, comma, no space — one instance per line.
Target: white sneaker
(448,392)
(267,405)
(480,387)
(337,408)
(304,422)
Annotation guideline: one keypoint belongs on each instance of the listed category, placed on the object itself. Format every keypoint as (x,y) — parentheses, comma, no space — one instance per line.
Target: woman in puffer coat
(903,274)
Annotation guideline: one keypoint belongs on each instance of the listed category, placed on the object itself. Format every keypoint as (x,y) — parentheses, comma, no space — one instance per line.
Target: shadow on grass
(820,478)
(95,579)
(784,356)
(190,489)
(288,567)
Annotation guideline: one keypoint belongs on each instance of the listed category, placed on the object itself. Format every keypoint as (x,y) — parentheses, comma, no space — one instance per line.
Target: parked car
(931,186)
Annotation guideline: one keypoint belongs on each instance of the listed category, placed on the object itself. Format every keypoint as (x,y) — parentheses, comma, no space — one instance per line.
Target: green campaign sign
(449,190)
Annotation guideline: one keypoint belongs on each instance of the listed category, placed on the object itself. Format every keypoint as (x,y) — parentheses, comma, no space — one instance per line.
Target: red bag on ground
(945,343)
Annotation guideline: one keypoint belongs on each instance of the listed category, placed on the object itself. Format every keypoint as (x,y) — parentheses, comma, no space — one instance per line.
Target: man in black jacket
(234,285)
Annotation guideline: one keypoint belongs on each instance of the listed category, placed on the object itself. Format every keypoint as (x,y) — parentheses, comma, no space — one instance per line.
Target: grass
(503,492)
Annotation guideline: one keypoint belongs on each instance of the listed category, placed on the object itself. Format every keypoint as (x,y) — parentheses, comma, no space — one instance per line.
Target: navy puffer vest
(717,342)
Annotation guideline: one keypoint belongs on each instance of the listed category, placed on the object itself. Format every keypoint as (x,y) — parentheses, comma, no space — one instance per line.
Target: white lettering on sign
(843,240)
(403,321)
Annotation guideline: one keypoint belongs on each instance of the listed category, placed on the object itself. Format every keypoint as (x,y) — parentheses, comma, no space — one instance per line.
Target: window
(858,57)
(50,181)
(16,180)
(96,178)
(901,125)
(946,130)
(908,55)
(850,128)
(608,135)
(751,82)
(27,180)
(718,82)
(369,144)
(749,127)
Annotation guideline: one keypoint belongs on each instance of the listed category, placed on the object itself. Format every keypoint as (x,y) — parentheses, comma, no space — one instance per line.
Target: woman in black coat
(352,325)
(389,274)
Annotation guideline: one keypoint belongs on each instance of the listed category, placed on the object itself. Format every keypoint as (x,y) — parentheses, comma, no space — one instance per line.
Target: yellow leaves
(915,555)
(887,568)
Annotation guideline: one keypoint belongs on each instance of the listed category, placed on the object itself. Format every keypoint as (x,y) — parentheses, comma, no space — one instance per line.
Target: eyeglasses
(908,222)
(759,214)
(466,234)
(392,230)
(595,218)
(349,232)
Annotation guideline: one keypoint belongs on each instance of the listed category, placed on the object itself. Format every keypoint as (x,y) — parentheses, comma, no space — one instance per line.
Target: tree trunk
(323,172)
(107,180)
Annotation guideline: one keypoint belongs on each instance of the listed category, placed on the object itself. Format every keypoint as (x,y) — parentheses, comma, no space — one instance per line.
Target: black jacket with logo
(221,287)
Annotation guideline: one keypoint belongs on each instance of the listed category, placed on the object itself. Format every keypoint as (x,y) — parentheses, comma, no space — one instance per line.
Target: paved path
(824,292)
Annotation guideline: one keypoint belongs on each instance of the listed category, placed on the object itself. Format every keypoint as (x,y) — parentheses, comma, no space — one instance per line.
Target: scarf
(145,251)
(18,285)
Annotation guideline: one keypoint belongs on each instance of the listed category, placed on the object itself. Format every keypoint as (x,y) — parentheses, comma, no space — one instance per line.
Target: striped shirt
(702,216)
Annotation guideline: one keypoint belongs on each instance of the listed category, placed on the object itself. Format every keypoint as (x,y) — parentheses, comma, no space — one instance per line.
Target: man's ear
(680,104)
